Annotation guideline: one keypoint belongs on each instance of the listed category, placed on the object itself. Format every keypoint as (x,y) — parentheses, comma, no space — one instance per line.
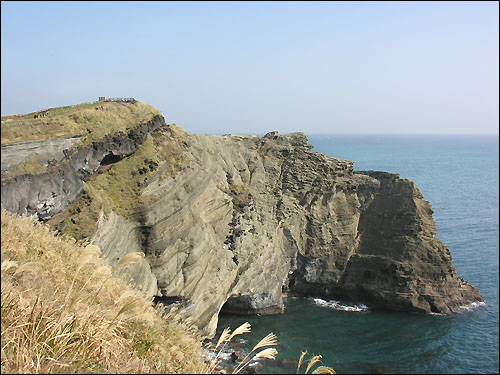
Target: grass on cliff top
(76,120)
(119,187)
(62,312)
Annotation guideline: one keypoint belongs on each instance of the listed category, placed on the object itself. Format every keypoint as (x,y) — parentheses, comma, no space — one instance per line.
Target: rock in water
(252,217)
(255,216)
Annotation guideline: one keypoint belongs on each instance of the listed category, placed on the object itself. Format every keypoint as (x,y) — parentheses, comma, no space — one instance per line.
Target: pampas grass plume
(269,353)
(270,339)
(324,370)
(244,328)
(223,337)
(130,258)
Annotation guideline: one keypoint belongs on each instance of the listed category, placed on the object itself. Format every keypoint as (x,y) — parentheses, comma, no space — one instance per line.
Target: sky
(254,67)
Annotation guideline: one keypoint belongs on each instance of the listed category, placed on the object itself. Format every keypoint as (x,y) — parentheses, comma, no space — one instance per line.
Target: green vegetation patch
(118,188)
(82,218)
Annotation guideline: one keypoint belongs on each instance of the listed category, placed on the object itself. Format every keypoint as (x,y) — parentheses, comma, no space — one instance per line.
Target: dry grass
(226,337)
(81,120)
(85,215)
(63,312)
(313,361)
(269,352)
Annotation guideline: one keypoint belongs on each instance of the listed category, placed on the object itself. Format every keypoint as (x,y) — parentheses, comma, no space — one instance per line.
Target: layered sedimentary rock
(398,262)
(45,194)
(253,218)
(116,237)
(18,152)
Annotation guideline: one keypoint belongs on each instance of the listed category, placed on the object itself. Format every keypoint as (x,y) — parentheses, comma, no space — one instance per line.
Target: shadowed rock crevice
(251,304)
(110,159)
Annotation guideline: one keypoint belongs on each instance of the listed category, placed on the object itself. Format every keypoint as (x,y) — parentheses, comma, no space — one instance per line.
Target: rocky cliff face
(45,194)
(398,262)
(252,218)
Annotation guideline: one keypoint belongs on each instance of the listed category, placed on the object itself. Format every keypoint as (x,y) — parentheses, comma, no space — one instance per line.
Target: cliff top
(91,121)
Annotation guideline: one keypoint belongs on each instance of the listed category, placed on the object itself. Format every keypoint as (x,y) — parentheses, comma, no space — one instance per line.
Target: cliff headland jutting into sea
(231,223)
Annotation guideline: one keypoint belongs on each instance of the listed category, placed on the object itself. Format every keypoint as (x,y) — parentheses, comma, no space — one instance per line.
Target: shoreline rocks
(254,218)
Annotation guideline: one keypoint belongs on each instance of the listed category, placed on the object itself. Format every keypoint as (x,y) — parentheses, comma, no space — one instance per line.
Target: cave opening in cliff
(110,159)
(107,162)
(168,300)
(228,308)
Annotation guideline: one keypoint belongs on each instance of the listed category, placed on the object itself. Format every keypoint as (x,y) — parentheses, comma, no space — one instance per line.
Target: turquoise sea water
(459,176)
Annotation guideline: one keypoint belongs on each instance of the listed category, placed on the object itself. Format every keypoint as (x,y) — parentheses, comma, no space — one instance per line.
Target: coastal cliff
(44,194)
(235,223)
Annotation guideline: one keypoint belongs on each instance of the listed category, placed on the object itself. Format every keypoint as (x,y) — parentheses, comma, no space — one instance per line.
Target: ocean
(459,176)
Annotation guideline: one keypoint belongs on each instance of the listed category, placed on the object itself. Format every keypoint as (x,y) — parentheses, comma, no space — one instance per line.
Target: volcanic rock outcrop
(254,218)
(45,194)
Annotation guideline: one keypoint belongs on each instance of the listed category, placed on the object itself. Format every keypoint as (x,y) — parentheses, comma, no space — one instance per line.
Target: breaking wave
(472,306)
(338,305)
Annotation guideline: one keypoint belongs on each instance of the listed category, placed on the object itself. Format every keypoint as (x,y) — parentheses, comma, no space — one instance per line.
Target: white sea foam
(254,362)
(338,305)
(224,356)
(435,313)
(472,306)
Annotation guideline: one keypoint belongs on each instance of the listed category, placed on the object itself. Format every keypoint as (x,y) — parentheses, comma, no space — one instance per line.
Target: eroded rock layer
(254,218)
(45,194)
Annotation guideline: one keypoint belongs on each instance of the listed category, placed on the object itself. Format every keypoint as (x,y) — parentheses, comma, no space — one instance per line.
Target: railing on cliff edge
(125,100)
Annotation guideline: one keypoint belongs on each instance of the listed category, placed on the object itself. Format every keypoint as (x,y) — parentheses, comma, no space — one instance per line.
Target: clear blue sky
(253,67)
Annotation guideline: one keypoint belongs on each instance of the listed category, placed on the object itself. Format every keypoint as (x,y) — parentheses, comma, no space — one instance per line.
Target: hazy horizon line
(344,133)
